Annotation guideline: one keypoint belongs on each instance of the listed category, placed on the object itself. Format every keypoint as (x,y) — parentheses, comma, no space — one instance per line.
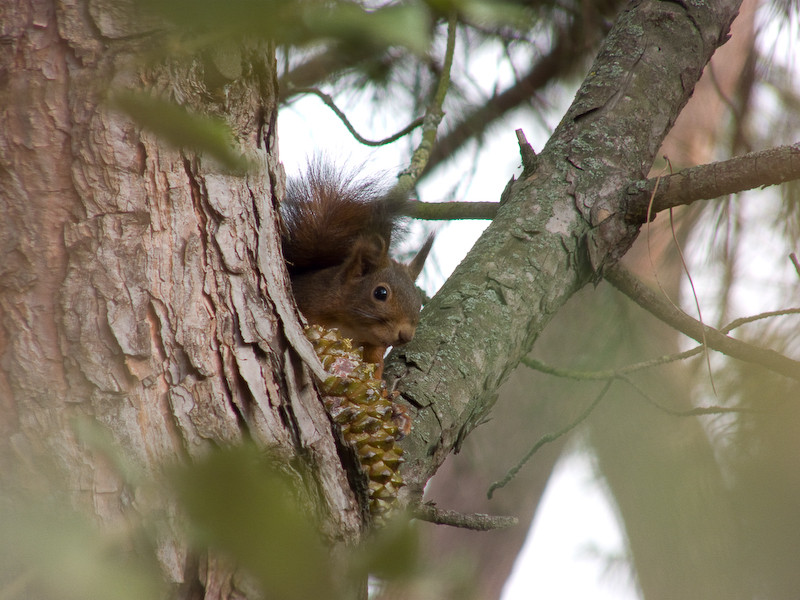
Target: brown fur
(336,241)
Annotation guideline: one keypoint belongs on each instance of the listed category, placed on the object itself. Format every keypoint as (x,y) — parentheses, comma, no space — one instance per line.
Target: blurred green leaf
(487,13)
(493,14)
(390,552)
(300,23)
(279,19)
(177,126)
(98,438)
(405,25)
(49,551)
(241,506)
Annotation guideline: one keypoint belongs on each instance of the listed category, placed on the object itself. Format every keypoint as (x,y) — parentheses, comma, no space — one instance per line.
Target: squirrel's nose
(404,334)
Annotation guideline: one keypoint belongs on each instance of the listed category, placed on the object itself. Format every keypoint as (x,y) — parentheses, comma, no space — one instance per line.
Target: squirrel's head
(382,300)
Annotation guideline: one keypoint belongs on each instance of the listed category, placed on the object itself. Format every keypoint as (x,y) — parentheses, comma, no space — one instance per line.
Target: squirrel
(336,238)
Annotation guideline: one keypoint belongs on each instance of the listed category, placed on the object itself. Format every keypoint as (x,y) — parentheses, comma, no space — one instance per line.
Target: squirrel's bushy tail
(328,208)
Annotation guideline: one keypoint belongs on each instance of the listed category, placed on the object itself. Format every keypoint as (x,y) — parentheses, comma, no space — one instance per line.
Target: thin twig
(683,264)
(548,438)
(563,55)
(735,110)
(328,100)
(622,374)
(647,364)
(696,302)
(760,356)
(575,374)
(692,412)
(475,521)
(765,315)
(793,258)
(433,116)
(608,373)
(649,220)
(629,285)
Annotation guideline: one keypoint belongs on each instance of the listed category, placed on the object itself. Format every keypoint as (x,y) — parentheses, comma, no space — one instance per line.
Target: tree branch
(565,55)
(476,521)
(548,438)
(556,229)
(315,69)
(706,182)
(703,182)
(328,100)
(697,411)
(433,116)
(451,211)
(602,375)
(622,372)
(629,285)
(622,375)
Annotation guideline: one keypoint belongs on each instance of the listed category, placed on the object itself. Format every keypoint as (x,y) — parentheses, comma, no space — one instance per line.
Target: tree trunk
(141,285)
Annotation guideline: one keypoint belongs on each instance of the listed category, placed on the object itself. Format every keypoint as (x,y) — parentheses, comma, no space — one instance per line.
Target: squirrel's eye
(380,293)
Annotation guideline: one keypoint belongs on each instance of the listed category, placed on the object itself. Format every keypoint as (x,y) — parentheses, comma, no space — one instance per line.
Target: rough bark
(142,285)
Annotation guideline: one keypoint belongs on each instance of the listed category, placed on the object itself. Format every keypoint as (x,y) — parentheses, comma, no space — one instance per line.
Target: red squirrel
(336,238)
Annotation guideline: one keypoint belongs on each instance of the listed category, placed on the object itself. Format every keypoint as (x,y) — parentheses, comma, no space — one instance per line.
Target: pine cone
(360,405)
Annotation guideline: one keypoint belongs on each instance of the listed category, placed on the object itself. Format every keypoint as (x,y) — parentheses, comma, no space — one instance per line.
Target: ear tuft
(415,266)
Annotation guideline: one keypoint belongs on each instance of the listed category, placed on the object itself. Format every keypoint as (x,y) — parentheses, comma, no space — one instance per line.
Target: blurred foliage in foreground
(233,504)
(223,42)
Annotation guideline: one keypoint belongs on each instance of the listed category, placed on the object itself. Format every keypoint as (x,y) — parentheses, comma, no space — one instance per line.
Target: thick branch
(557,228)
(629,285)
(705,182)
(451,211)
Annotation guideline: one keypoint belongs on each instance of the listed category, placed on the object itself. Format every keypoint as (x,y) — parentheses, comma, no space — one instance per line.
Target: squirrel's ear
(415,266)
(367,255)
